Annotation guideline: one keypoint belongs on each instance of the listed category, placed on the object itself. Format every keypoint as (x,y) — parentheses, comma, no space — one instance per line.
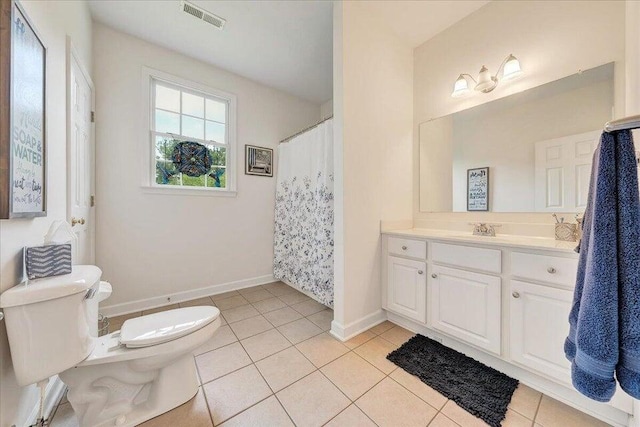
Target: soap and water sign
(27,118)
(478,189)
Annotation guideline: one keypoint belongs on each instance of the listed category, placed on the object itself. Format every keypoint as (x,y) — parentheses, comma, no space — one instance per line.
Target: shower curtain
(303,246)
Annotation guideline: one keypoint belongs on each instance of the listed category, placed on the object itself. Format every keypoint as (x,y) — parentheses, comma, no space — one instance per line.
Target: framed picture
(478,189)
(22,115)
(258,160)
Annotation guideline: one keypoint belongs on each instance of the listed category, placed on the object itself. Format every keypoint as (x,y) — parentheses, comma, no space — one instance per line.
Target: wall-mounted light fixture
(509,69)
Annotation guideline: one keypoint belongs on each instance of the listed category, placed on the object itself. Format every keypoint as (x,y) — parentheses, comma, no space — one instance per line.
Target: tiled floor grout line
(317,369)
(245,350)
(256,368)
(535,416)
(204,396)
(273,393)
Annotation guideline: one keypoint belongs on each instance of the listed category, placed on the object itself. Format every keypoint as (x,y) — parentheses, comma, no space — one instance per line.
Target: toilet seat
(165,326)
(109,349)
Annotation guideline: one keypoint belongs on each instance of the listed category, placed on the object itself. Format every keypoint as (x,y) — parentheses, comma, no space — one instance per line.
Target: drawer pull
(404,248)
(551,270)
(420,272)
(516,294)
(434,275)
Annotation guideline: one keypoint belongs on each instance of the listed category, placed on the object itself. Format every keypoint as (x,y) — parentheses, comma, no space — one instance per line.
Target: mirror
(527,152)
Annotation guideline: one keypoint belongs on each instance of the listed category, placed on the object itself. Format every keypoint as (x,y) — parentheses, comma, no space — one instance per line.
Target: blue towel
(604,334)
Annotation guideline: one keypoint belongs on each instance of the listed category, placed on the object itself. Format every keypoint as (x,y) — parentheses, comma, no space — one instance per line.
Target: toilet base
(130,392)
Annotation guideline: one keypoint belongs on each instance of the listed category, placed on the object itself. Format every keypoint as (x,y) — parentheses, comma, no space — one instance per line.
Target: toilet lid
(165,326)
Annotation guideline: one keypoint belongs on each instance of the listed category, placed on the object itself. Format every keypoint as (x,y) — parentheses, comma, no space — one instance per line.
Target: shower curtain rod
(631,122)
(306,129)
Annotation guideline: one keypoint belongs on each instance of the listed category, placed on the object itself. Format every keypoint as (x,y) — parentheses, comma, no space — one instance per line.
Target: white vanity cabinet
(466,305)
(407,290)
(504,301)
(539,312)
(538,327)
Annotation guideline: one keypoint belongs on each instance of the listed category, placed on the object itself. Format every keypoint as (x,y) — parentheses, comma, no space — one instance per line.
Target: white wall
(54,21)
(150,245)
(551,40)
(374,99)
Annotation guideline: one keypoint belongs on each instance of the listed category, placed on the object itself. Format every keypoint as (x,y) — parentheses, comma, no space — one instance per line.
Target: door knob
(420,272)
(434,275)
(404,248)
(75,221)
(516,294)
(551,270)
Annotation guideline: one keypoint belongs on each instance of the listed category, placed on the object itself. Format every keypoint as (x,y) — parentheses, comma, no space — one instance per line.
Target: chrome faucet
(484,229)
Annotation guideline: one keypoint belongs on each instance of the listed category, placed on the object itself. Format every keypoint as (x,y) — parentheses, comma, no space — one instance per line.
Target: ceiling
(280,43)
(416,21)
(283,44)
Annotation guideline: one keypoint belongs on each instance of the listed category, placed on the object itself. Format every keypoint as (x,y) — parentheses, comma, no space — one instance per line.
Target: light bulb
(511,68)
(461,87)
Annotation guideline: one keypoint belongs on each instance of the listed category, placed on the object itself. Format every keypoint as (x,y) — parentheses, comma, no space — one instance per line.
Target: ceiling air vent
(202,14)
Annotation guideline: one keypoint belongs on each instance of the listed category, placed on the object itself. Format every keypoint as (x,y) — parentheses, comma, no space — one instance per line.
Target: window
(183,113)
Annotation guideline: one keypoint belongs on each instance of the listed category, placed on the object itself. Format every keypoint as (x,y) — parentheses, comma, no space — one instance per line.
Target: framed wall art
(258,161)
(22,115)
(478,189)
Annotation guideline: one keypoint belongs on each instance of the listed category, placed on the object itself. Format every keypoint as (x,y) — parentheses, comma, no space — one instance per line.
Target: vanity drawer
(407,247)
(489,260)
(560,271)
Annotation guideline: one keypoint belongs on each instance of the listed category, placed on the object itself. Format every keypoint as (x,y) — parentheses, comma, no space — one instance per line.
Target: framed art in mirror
(478,189)
(22,115)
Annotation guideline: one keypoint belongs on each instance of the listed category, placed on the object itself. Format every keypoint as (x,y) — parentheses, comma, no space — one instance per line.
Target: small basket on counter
(566,232)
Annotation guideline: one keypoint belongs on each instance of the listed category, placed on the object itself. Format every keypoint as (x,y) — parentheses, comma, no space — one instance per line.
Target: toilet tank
(50,323)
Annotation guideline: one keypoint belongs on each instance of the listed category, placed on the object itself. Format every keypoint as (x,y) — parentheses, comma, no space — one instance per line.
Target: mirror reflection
(535,146)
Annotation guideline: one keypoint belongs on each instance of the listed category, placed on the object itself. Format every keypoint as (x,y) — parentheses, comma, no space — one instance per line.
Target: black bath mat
(479,389)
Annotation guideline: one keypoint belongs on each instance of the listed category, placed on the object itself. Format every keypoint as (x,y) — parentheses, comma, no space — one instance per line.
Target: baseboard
(53,394)
(345,333)
(160,300)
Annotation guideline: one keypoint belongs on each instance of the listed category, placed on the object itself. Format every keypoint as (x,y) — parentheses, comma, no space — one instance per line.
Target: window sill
(181,191)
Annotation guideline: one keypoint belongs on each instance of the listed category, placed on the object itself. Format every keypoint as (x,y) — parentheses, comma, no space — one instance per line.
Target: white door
(466,305)
(539,326)
(563,171)
(81,159)
(407,288)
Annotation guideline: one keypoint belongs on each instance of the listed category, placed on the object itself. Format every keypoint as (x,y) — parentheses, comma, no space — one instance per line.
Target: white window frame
(149,179)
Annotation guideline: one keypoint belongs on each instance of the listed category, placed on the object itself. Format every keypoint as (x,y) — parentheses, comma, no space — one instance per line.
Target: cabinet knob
(516,294)
(420,272)
(551,270)
(404,248)
(434,275)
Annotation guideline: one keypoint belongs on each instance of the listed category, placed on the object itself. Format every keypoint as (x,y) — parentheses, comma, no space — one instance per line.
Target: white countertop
(525,242)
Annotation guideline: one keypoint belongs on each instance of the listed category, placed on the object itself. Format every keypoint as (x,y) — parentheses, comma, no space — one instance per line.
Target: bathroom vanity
(502,300)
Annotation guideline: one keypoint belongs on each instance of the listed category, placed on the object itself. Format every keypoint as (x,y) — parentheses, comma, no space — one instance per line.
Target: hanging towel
(604,333)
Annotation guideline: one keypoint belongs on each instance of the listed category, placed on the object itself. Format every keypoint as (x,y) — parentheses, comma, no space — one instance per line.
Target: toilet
(120,379)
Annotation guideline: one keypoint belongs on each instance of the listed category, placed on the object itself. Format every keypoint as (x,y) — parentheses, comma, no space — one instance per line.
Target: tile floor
(273,363)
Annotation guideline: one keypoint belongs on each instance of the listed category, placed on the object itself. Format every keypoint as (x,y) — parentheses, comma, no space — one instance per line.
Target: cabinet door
(407,288)
(539,326)
(467,306)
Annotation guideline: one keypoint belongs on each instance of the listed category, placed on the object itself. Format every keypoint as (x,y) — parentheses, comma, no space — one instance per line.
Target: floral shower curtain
(303,247)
